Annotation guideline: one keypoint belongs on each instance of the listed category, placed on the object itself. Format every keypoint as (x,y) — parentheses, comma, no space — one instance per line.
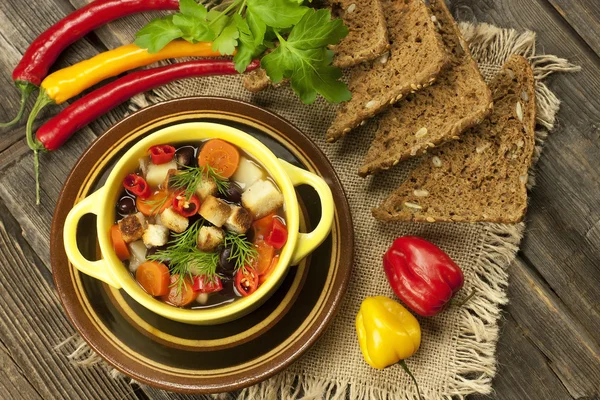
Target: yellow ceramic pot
(102,203)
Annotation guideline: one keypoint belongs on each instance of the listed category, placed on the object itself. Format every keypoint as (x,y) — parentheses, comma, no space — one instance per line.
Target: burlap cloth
(457,354)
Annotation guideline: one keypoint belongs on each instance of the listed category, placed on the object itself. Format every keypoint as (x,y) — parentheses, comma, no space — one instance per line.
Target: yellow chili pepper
(70,81)
(66,83)
(387,333)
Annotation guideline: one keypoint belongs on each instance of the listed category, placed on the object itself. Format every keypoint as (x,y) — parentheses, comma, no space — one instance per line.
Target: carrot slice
(118,243)
(265,255)
(153,277)
(180,297)
(221,156)
(158,202)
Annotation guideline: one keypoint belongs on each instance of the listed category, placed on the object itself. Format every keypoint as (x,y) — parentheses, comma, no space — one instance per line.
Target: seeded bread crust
(459,100)
(416,57)
(482,177)
(367,38)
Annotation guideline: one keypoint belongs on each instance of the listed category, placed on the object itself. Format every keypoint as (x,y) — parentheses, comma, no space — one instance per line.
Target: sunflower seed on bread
(416,57)
(367,38)
(482,177)
(459,100)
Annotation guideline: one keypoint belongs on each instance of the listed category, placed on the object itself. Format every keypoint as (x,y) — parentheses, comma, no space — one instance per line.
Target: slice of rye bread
(416,57)
(482,177)
(459,100)
(367,38)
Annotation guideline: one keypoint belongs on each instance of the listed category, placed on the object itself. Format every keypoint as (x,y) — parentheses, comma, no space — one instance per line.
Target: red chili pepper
(246,281)
(186,207)
(162,154)
(46,48)
(278,235)
(137,185)
(204,285)
(57,130)
(421,274)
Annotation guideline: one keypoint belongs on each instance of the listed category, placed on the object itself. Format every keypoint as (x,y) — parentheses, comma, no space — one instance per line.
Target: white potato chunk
(247,173)
(174,221)
(156,174)
(262,198)
(239,220)
(132,227)
(206,187)
(155,235)
(137,250)
(209,238)
(215,211)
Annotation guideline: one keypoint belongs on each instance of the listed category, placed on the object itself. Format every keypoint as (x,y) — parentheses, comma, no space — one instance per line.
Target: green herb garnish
(242,251)
(252,27)
(188,179)
(183,256)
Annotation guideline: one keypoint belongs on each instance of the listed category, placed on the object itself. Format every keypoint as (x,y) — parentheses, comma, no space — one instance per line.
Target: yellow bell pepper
(387,333)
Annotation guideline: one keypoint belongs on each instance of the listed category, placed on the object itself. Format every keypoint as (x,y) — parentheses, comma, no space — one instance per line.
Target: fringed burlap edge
(475,356)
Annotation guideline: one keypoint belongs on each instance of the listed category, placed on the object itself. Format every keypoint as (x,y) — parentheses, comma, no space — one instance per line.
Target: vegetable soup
(200,224)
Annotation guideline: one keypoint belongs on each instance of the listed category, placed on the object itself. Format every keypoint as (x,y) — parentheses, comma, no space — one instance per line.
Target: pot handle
(307,242)
(97,269)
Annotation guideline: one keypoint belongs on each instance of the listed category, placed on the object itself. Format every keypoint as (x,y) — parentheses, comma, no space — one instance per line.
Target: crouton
(215,211)
(155,235)
(174,221)
(167,182)
(132,227)
(209,238)
(206,187)
(262,198)
(239,220)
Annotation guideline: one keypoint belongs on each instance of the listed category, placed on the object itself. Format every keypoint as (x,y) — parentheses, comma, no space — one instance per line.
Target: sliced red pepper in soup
(184,206)
(204,285)
(161,154)
(137,185)
(262,227)
(246,281)
(278,235)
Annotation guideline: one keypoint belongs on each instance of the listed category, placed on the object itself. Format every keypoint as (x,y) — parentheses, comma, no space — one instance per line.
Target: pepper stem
(405,368)
(26,89)
(466,299)
(42,101)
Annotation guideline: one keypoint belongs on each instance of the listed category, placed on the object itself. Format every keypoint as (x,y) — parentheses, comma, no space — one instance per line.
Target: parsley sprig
(188,179)
(253,26)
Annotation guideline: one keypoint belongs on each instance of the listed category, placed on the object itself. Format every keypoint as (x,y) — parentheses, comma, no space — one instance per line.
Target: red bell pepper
(421,274)
(137,185)
(161,154)
(204,285)
(278,235)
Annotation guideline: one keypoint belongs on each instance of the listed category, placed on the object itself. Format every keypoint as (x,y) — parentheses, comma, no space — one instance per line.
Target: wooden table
(549,345)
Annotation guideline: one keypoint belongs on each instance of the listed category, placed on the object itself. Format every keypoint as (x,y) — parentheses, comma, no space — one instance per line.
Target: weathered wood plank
(18,193)
(564,204)
(584,17)
(22,22)
(32,323)
(13,382)
(572,352)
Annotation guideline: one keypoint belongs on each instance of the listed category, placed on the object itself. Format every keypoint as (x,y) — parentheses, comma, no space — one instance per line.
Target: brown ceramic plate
(201,359)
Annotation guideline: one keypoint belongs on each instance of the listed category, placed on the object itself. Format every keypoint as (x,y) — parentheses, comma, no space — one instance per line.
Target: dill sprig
(185,259)
(242,250)
(189,178)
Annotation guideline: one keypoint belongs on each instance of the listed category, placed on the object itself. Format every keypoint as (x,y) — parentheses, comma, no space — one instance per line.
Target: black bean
(185,155)
(234,193)
(226,267)
(126,205)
